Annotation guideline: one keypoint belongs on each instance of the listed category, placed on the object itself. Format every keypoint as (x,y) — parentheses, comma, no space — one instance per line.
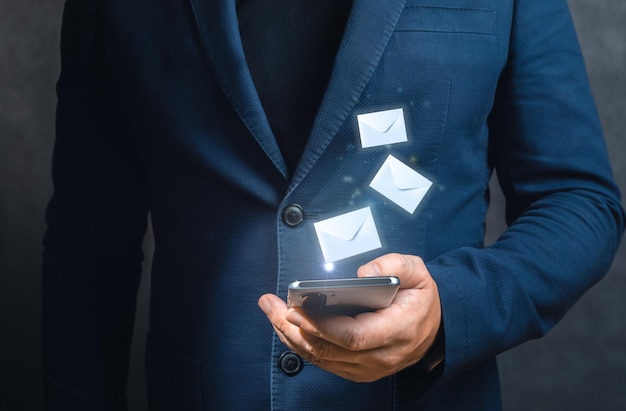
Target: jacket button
(293,215)
(290,363)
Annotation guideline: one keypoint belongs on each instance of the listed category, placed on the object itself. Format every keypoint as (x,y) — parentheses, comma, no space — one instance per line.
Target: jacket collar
(367,33)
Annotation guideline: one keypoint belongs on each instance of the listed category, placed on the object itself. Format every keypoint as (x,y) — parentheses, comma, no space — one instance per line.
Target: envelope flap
(381,121)
(346,226)
(404,177)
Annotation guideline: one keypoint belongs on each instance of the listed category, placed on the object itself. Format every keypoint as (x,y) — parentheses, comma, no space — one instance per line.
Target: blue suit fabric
(158,115)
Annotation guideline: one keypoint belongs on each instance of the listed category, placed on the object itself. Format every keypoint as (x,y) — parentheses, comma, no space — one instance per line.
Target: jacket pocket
(447,19)
(174,381)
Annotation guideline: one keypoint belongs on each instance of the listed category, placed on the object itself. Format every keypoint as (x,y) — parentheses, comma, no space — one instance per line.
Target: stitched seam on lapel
(328,134)
(275,157)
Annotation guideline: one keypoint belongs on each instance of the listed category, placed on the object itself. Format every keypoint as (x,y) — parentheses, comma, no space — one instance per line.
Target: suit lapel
(367,33)
(219,31)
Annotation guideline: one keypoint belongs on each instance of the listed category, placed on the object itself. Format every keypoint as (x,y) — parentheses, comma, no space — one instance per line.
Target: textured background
(580,365)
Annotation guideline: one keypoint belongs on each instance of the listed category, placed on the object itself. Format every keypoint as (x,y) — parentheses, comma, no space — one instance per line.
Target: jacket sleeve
(563,208)
(96,221)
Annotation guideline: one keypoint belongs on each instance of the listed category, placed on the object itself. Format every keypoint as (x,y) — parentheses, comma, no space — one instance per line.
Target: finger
(276,310)
(366,331)
(409,268)
(356,363)
(293,336)
(316,350)
(326,354)
(361,366)
(285,340)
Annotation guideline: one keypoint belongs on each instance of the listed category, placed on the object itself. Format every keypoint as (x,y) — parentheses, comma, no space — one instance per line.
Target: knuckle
(318,331)
(418,260)
(387,362)
(315,352)
(354,341)
(410,264)
(400,261)
(281,324)
(381,362)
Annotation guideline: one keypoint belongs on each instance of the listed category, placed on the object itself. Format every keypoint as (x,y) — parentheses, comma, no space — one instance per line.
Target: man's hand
(371,345)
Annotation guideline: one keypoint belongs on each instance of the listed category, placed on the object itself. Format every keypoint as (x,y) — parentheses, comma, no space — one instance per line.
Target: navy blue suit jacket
(158,114)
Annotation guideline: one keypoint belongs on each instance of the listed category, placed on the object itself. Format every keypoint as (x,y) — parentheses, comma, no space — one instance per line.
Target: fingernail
(265,305)
(294,317)
(371,270)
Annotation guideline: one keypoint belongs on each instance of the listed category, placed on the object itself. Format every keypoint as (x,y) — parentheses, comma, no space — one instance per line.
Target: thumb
(410,269)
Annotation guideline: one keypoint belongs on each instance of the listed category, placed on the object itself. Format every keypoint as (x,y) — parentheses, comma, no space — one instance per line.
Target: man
(270,142)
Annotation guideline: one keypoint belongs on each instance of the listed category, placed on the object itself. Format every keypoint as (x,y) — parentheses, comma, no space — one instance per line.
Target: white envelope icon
(382,127)
(400,184)
(347,235)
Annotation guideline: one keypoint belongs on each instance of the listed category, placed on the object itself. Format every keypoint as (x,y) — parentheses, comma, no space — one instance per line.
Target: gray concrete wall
(580,365)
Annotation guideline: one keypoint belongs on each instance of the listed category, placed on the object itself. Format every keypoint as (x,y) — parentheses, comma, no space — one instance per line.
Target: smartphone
(344,295)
